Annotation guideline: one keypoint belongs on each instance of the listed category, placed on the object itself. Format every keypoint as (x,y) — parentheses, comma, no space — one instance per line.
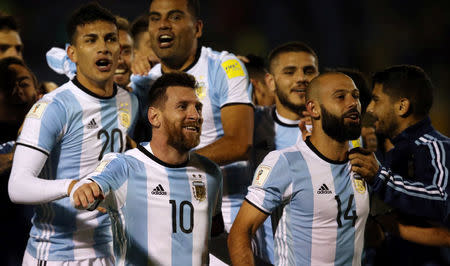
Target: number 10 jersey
(161,213)
(74,127)
(324,207)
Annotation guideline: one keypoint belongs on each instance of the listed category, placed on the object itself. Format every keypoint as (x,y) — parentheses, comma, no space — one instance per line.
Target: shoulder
(203,163)
(224,61)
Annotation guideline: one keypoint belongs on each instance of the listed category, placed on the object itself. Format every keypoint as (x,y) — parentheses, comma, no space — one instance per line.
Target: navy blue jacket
(414,176)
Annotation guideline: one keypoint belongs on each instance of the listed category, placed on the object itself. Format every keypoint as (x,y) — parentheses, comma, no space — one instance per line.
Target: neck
(168,153)
(329,147)
(286,112)
(103,89)
(404,123)
(172,64)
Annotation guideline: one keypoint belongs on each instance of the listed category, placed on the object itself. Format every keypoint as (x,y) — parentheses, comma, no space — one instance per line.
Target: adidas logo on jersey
(159,190)
(324,190)
(92,124)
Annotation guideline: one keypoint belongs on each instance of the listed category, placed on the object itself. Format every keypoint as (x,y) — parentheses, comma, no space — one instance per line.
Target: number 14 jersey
(324,207)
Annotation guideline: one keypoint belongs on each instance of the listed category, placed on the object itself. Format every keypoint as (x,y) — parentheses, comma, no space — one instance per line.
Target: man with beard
(64,136)
(175,28)
(414,176)
(291,67)
(123,71)
(324,205)
(161,197)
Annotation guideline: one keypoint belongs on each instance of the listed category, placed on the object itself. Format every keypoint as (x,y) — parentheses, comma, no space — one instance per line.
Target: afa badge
(37,110)
(233,68)
(200,90)
(360,185)
(198,187)
(261,175)
(124,115)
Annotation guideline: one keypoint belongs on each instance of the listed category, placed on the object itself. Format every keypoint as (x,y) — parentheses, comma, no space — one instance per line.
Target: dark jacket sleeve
(425,193)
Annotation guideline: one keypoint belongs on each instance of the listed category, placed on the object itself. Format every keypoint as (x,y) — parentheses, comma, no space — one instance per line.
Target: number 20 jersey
(74,128)
(324,207)
(161,213)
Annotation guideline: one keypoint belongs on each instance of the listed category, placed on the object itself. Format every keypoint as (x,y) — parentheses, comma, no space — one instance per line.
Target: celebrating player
(66,133)
(160,196)
(324,206)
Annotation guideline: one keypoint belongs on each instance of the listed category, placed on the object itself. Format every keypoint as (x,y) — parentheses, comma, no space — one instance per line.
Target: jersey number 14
(352,217)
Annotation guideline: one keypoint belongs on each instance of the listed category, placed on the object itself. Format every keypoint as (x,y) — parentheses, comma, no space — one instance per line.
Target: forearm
(25,187)
(226,150)
(433,236)
(239,245)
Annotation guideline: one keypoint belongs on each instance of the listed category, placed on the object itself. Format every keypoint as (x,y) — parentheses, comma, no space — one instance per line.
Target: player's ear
(313,109)
(198,28)
(154,116)
(270,81)
(403,107)
(72,53)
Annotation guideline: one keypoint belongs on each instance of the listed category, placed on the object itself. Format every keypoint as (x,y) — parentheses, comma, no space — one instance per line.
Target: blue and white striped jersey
(324,207)
(161,213)
(223,81)
(74,128)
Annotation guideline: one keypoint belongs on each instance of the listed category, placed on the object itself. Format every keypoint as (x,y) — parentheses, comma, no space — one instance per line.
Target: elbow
(13,196)
(242,152)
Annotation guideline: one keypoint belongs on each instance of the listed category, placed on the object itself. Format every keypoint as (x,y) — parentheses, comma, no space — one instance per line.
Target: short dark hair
(157,95)
(256,67)
(8,23)
(407,81)
(123,24)
(193,6)
(8,76)
(86,14)
(290,47)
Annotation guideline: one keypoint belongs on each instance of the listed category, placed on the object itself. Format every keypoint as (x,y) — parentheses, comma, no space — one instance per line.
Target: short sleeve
(232,81)
(271,182)
(44,125)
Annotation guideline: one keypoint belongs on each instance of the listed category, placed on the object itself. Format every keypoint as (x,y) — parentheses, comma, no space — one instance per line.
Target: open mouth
(121,70)
(104,65)
(355,116)
(192,128)
(165,40)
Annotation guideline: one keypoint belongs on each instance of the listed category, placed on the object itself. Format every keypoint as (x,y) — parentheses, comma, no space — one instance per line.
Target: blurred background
(368,35)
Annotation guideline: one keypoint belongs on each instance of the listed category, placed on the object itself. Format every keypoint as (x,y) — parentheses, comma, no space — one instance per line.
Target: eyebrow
(289,68)
(168,13)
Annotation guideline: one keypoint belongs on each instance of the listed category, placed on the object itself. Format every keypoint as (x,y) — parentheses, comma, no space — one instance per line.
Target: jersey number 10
(181,216)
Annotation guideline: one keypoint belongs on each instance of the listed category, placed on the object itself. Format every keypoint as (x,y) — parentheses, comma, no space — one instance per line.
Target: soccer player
(292,66)
(64,136)
(123,71)
(414,176)
(325,206)
(10,41)
(141,38)
(261,94)
(161,197)
(175,28)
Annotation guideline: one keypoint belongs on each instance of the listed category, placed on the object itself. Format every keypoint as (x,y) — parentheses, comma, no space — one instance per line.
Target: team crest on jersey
(233,68)
(124,115)
(200,90)
(37,110)
(199,187)
(261,175)
(360,185)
